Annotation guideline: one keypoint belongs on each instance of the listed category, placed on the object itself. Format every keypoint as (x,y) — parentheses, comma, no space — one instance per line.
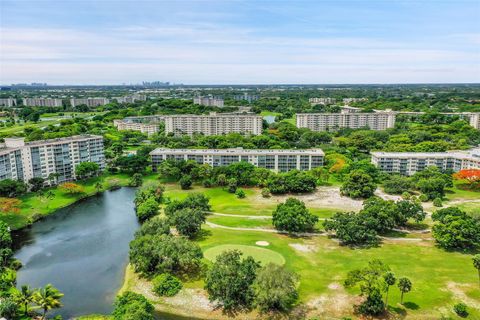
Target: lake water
(82,250)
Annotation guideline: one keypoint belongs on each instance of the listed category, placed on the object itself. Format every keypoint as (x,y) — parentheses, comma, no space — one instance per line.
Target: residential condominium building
(42,102)
(322,100)
(354,120)
(274,159)
(407,163)
(89,102)
(156,118)
(214,124)
(350,100)
(148,128)
(131,99)
(8,102)
(247,97)
(208,101)
(20,160)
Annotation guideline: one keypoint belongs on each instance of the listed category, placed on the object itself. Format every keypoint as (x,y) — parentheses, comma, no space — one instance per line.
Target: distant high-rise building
(355,120)
(89,102)
(20,160)
(247,97)
(8,102)
(208,101)
(214,124)
(42,102)
(322,100)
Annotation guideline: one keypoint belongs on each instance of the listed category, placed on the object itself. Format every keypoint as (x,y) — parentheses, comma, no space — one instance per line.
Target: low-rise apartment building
(8,102)
(354,120)
(214,124)
(131,99)
(89,102)
(42,102)
(208,101)
(20,160)
(407,163)
(322,100)
(273,159)
(147,128)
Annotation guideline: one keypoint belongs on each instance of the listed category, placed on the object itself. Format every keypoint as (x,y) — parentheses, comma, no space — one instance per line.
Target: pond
(82,250)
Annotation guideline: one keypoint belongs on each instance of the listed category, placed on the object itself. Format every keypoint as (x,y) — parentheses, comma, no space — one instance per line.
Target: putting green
(259,254)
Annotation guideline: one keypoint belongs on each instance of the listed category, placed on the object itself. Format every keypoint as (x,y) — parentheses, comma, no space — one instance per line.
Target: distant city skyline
(239,42)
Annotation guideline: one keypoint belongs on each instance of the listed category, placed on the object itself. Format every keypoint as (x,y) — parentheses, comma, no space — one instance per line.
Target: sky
(240,42)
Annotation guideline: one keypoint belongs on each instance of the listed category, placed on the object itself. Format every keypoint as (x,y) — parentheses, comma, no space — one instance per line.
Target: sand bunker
(262,243)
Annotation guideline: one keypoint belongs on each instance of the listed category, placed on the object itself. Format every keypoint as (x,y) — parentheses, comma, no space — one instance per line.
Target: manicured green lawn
(263,255)
(321,262)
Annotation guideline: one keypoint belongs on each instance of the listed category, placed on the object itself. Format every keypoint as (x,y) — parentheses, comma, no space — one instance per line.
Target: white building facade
(208,101)
(408,163)
(214,124)
(273,159)
(147,128)
(89,102)
(42,102)
(20,160)
(353,120)
(8,102)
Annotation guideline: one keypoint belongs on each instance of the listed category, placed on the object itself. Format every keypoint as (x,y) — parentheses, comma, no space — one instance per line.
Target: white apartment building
(208,101)
(131,99)
(407,163)
(20,160)
(42,102)
(322,100)
(348,109)
(350,100)
(148,128)
(156,118)
(274,159)
(8,102)
(354,120)
(214,124)
(89,102)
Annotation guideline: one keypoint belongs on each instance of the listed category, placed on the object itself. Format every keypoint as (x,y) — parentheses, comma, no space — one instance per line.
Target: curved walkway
(302,234)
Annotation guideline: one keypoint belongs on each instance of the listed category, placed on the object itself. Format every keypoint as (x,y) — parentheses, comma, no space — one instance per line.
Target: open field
(440,278)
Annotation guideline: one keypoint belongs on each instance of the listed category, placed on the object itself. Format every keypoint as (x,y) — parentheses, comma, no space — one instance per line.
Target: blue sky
(239,42)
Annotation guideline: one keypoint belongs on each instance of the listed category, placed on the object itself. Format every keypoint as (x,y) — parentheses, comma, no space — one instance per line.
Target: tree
(166,285)
(129,302)
(98,187)
(370,281)
(358,184)
(232,185)
(160,253)
(10,205)
(71,188)
(408,209)
(193,201)
(240,194)
(266,193)
(293,216)
(222,180)
(351,229)
(186,182)
(136,180)
(153,226)
(397,184)
(275,288)
(455,229)
(188,221)
(147,209)
(390,279)
(152,190)
(47,298)
(230,280)
(5,245)
(461,309)
(8,308)
(24,297)
(405,285)
(36,183)
(86,169)
(472,176)
(476,264)
(12,188)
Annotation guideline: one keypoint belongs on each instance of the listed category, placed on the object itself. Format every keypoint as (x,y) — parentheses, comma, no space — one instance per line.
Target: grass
(263,255)
(34,207)
(240,222)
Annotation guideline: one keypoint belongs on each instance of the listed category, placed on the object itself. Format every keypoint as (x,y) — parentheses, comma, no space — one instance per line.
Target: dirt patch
(332,305)
(457,290)
(262,243)
(335,286)
(303,247)
(190,299)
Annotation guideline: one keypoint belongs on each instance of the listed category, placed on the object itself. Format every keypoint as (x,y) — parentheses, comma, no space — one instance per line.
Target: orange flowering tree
(472,176)
(10,205)
(71,188)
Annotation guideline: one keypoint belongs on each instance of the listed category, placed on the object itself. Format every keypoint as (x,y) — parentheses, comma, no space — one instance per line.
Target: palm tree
(390,280)
(98,186)
(405,285)
(24,297)
(47,298)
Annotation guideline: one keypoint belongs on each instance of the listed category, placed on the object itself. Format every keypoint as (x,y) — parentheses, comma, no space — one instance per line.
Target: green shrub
(423,198)
(437,202)
(266,193)
(240,194)
(186,182)
(166,285)
(461,309)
